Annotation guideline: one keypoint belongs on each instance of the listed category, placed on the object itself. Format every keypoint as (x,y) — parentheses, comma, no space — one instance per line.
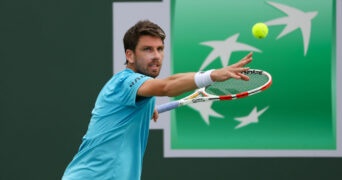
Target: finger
(234,75)
(243,62)
(237,73)
(243,76)
(155,116)
(250,54)
(241,69)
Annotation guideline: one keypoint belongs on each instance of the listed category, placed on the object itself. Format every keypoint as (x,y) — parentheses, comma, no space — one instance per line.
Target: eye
(161,49)
(147,49)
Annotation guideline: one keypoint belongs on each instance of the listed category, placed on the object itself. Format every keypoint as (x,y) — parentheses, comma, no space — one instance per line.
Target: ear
(130,56)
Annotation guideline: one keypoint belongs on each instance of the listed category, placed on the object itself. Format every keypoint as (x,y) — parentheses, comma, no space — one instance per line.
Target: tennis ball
(260,30)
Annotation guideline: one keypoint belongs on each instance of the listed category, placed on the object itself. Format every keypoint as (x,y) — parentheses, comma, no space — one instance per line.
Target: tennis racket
(227,90)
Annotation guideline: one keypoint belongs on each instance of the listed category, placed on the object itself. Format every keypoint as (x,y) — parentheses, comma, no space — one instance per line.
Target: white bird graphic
(295,19)
(253,117)
(205,110)
(223,49)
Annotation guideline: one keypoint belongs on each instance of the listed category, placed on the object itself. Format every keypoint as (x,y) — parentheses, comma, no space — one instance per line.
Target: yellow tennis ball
(260,30)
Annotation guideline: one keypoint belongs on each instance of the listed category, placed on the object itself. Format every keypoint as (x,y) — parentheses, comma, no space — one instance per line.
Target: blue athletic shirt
(114,145)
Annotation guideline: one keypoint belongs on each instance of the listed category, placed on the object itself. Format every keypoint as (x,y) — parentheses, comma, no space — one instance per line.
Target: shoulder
(133,78)
(128,78)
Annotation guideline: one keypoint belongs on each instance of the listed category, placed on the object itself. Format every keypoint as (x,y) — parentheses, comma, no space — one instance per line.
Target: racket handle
(167,106)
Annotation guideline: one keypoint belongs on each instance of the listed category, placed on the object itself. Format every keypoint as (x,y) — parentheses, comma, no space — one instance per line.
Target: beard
(152,69)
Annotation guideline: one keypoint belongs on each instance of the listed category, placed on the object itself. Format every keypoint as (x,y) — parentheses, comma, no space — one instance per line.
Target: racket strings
(234,86)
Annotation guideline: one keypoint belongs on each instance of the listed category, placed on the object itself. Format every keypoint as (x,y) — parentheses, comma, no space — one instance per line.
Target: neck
(130,66)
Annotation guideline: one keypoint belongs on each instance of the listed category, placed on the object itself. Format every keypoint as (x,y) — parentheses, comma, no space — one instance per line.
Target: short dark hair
(143,27)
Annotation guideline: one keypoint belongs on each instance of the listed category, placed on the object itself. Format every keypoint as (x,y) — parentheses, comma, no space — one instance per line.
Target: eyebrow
(145,46)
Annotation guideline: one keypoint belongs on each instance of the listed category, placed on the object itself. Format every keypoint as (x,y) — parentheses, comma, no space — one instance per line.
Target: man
(115,143)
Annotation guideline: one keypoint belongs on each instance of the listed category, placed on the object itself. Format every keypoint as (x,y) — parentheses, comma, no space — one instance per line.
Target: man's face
(148,56)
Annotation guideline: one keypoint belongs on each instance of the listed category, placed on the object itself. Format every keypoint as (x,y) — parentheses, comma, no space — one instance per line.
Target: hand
(233,71)
(155,115)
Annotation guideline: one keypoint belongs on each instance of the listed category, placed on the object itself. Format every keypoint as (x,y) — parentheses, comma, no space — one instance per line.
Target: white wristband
(203,79)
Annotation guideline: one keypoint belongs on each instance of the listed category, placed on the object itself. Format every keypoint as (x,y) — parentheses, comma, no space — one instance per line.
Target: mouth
(154,67)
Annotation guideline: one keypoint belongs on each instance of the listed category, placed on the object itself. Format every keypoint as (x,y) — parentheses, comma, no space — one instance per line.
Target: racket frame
(200,95)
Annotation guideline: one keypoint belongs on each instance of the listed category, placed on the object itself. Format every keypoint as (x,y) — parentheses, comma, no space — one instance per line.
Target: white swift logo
(253,117)
(295,19)
(224,49)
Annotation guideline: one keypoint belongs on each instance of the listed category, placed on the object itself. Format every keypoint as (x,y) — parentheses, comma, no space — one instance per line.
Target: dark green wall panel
(55,56)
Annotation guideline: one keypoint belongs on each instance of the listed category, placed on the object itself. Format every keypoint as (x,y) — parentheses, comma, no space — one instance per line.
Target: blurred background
(55,57)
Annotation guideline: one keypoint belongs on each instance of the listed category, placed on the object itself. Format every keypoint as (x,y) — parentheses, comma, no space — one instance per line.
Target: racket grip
(167,106)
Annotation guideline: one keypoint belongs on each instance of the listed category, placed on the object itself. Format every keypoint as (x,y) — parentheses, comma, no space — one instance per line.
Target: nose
(158,54)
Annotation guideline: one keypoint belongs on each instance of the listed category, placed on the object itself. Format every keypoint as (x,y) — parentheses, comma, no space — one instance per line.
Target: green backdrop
(55,56)
(299,105)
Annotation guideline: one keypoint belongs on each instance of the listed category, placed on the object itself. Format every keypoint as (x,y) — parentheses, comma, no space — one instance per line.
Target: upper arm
(152,87)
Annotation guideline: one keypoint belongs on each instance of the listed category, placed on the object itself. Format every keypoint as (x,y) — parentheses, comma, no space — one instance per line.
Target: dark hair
(144,27)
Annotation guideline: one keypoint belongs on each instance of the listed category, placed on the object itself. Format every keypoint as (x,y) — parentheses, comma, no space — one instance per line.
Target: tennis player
(115,143)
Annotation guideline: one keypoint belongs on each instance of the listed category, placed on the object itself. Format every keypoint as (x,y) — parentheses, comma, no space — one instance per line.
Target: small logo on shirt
(136,80)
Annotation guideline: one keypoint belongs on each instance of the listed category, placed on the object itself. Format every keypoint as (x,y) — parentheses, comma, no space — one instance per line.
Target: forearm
(171,86)
(178,84)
